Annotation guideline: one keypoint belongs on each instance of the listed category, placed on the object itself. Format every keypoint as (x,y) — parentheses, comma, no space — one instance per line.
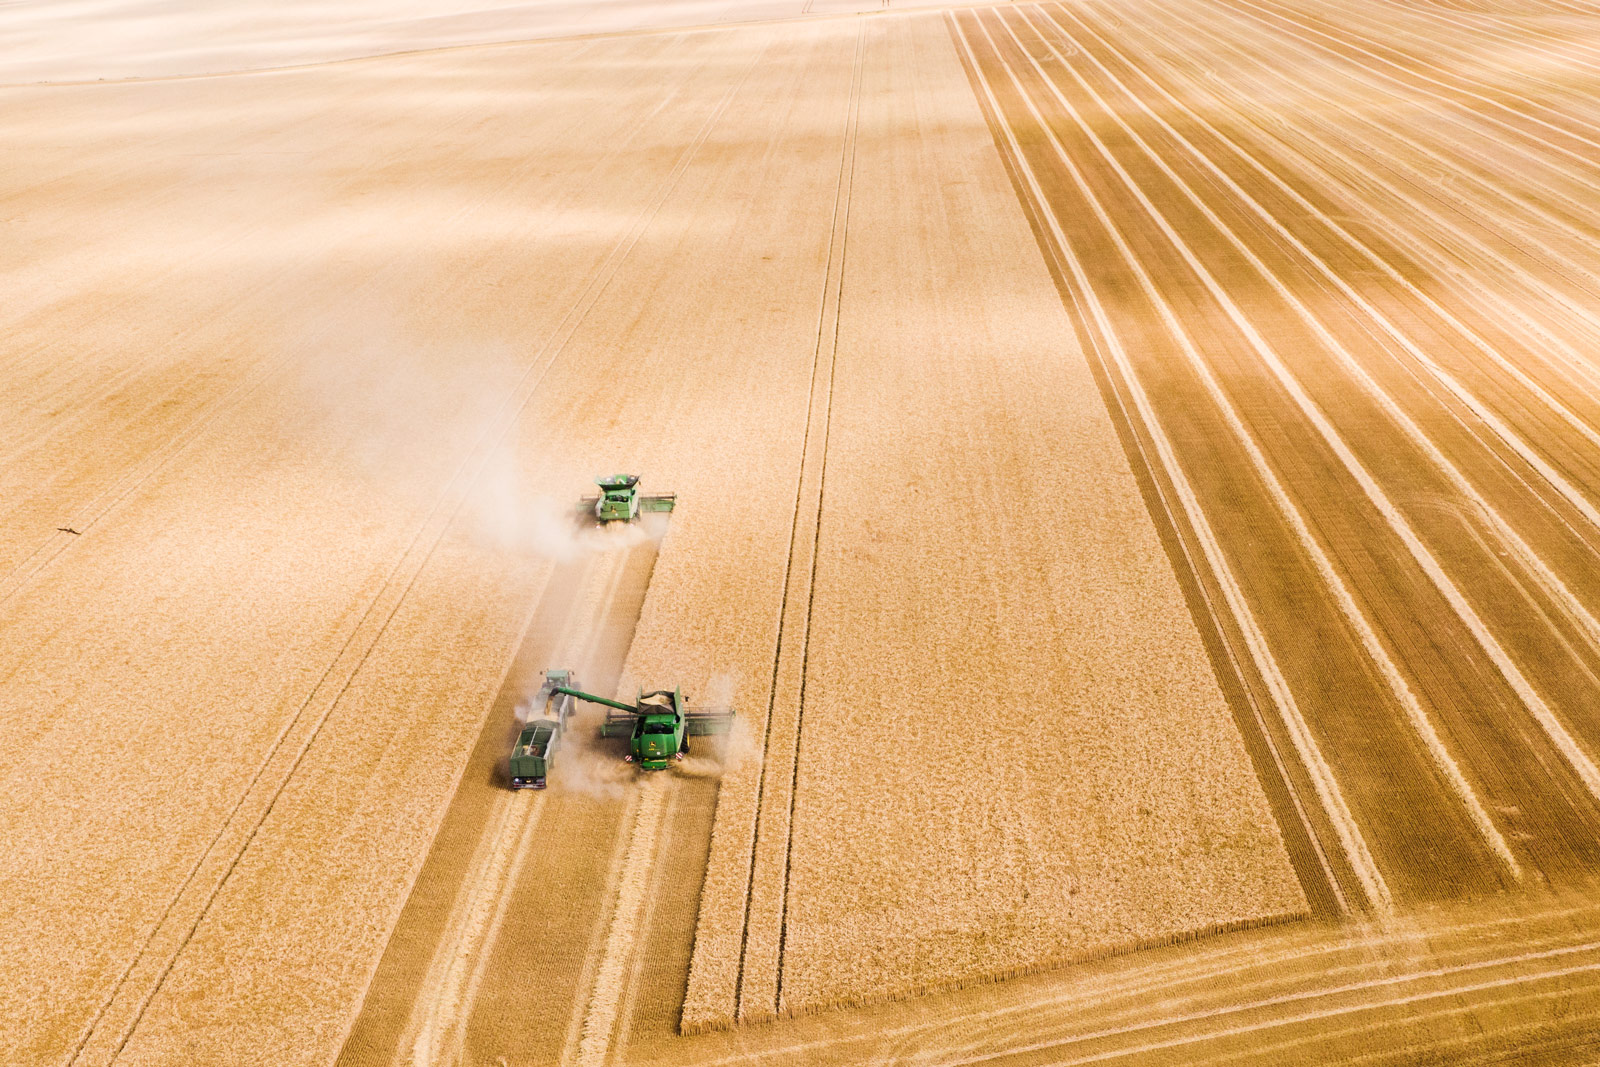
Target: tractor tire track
(760,982)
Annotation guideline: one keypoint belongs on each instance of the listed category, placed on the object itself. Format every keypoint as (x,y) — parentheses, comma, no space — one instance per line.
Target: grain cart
(621,501)
(536,743)
(657,725)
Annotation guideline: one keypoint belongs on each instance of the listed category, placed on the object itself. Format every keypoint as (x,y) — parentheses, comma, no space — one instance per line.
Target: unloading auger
(657,725)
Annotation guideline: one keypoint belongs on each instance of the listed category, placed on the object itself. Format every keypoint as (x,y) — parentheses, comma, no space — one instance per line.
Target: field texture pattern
(1169,449)
(1342,298)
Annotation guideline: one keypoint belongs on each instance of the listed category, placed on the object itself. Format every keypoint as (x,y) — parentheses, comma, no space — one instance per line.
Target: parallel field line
(485,898)
(601,1017)
(1343,71)
(1441,34)
(1353,847)
(437,1034)
(1354,616)
(1412,69)
(1492,201)
(1557,732)
(1585,165)
(1451,991)
(1522,38)
(759,982)
(1520,34)
(1008,1019)
(1526,555)
(1537,568)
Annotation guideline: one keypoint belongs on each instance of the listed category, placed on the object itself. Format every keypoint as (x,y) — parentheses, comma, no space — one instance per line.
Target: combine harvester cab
(537,742)
(621,501)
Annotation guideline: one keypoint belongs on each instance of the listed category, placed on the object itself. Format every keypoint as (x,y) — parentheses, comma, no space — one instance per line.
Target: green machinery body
(537,741)
(657,725)
(621,501)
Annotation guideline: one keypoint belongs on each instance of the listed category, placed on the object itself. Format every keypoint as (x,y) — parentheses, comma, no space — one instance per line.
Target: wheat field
(1138,476)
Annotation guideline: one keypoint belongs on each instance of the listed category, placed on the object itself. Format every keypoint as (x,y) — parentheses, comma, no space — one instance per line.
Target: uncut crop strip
(187,909)
(912,877)
(760,985)
(1506,519)
(736,964)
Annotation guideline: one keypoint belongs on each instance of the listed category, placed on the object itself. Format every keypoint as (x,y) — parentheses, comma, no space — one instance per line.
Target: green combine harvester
(621,501)
(537,742)
(657,726)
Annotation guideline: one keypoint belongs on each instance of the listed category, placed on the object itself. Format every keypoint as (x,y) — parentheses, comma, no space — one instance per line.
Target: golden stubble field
(1138,484)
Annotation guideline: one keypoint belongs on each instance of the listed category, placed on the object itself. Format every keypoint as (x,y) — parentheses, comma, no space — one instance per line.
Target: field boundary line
(1008,1018)
(1386,982)
(1553,727)
(424,542)
(1376,650)
(759,986)
(1352,845)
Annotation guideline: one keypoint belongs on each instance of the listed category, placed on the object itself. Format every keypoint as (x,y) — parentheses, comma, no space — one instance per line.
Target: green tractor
(657,725)
(538,739)
(621,501)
